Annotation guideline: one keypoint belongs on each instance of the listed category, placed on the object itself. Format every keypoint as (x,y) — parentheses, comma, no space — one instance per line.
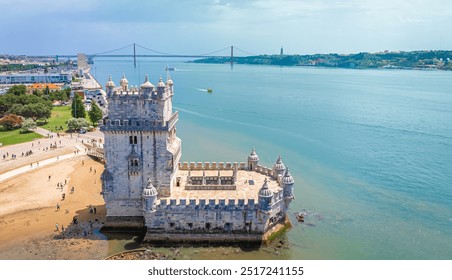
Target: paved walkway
(23,169)
(64,146)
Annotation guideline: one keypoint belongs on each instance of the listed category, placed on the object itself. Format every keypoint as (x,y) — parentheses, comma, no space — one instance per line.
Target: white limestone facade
(146,185)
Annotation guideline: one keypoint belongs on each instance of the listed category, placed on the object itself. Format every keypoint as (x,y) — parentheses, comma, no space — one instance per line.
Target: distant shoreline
(414,60)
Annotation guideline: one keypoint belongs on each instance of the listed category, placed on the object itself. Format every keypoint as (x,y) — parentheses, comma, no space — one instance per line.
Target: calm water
(370,150)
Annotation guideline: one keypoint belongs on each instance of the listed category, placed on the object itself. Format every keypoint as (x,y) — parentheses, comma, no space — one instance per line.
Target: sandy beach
(28,204)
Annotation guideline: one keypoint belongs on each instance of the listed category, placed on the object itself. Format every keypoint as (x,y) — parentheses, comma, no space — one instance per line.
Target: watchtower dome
(253,160)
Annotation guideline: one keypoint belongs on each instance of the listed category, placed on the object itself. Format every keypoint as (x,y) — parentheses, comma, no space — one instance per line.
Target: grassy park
(60,115)
(10,137)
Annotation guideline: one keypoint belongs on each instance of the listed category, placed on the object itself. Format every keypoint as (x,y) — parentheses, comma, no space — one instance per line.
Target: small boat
(170,69)
(209,90)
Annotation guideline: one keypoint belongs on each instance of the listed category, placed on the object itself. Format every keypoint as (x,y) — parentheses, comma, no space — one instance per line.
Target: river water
(370,150)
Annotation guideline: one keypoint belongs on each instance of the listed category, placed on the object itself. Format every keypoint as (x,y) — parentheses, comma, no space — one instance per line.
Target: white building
(31,78)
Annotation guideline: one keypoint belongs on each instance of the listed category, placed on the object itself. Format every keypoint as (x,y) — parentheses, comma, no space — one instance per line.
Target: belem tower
(145,185)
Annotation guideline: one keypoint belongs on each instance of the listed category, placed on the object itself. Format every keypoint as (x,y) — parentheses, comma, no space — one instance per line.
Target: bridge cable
(206,54)
(163,53)
(159,52)
(118,49)
(246,52)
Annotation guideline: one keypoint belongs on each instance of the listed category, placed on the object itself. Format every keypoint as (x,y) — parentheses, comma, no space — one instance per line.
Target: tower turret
(146,87)
(278,169)
(160,88)
(169,83)
(253,160)
(287,184)
(124,83)
(265,197)
(110,86)
(149,197)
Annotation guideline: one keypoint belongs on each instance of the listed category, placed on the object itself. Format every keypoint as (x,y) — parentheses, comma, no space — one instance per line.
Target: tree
(76,124)
(59,95)
(67,92)
(14,104)
(36,111)
(27,125)
(11,121)
(16,109)
(77,108)
(95,113)
(17,90)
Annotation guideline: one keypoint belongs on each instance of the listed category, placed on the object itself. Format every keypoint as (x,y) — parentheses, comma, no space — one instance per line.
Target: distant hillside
(396,60)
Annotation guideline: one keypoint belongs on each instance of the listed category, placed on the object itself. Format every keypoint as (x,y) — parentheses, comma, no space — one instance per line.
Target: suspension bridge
(148,52)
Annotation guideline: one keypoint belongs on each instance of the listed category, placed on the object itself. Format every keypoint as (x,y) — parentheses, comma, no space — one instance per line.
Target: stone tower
(141,148)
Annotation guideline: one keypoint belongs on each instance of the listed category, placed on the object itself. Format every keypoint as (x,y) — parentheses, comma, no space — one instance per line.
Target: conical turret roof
(160,84)
(150,190)
(146,83)
(110,82)
(253,156)
(279,165)
(265,191)
(287,179)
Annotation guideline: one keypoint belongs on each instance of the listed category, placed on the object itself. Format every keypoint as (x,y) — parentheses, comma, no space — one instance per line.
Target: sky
(204,26)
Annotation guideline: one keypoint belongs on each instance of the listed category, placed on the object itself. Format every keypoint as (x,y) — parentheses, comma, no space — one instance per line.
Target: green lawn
(60,115)
(10,137)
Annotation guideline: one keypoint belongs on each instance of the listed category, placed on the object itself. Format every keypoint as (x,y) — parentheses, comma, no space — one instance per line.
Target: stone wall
(214,216)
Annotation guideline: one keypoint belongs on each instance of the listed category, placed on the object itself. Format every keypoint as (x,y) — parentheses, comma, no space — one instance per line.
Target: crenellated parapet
(199,166)
(264,170)
(207,204)
(134,125)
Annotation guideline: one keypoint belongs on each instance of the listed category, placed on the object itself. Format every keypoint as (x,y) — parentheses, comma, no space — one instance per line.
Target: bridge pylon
(134,57)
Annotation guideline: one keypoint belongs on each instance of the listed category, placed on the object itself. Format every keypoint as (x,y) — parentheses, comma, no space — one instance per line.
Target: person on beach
(58,207)
(56,226)
(50,177)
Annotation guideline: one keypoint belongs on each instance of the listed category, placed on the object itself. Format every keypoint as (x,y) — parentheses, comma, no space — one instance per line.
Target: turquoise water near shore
(370,150)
